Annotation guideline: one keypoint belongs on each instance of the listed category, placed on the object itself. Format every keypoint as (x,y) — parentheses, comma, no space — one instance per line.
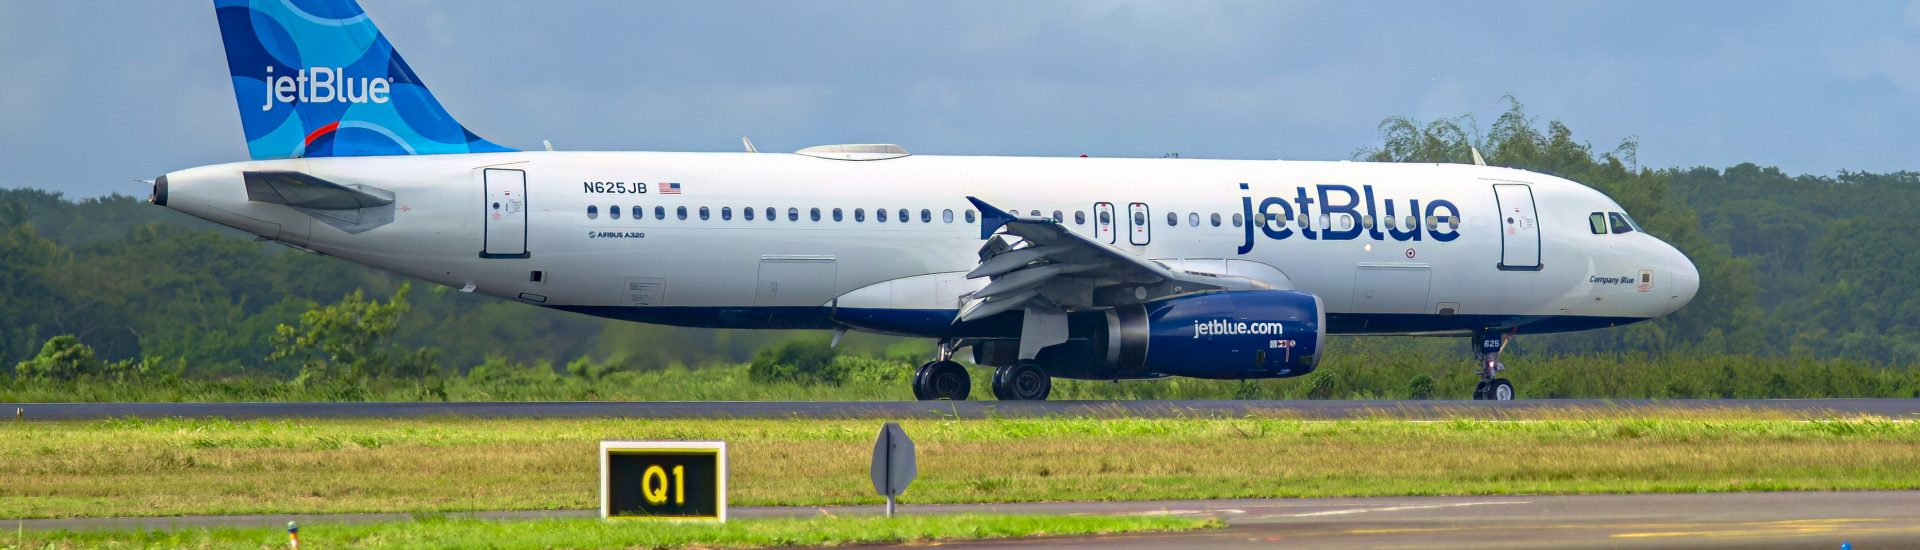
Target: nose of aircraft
(1686,281)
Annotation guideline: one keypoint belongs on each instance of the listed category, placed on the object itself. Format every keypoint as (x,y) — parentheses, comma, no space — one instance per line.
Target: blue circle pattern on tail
(315,78)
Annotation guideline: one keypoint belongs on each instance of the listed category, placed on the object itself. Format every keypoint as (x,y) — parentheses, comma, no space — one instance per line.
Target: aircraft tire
(938,380)
(1500,389)
(1023,381)
(1480,391)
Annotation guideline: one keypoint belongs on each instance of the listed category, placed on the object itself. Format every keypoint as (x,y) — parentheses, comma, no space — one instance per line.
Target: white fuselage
(1487,260)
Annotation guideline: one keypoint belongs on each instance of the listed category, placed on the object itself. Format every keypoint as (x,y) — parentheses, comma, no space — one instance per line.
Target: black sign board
(663,480)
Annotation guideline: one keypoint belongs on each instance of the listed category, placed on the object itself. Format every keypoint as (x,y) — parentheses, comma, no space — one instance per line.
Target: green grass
(183,467)
(593,533)
(1355,368)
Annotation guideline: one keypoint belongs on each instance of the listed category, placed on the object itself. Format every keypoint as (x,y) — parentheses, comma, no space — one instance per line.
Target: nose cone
(1686,281)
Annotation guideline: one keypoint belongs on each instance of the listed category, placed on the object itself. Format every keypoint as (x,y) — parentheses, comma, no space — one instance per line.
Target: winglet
(991,219)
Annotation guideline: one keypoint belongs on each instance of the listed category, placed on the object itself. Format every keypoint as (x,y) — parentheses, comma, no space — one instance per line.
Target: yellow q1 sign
(653,485)
(663,480)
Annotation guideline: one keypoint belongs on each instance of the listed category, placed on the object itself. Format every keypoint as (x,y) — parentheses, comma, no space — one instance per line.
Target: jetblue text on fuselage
(325,85)
(1229,327)
(1337,200)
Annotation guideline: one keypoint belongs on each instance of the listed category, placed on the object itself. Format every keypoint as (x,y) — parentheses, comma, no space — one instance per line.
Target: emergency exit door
(1519,227)
(1103,222)
(1141,223)
(506,214)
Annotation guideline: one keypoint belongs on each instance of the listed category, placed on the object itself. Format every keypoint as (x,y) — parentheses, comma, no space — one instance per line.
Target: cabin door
(1519,227)
(506,214)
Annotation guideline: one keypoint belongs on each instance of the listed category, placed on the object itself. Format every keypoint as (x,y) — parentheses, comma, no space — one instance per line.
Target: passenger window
(814,214)
(747,213)
(1215,219)
(926,216)
(703,213)
(726,213)
(1597,222)
(1193,219)
(1058,217)
(680,212)
(946,216)
(1173,219)
(859,214)
(880,214)
(1236,220)
(593,212)
(770,215)
(613,212)
(1079,217)
(1139,219)
(1620,224)
(1035,213)
(903,215)
(836,214)
(793,214)
(1105,218)
(969,215)
(659,212)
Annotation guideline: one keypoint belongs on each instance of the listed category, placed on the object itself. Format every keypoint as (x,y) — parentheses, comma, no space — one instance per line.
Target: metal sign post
(893,463)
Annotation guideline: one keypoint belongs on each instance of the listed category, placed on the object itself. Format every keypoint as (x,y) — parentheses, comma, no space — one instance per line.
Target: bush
(63,358)
(800,361)
(585,368)
(1420,387)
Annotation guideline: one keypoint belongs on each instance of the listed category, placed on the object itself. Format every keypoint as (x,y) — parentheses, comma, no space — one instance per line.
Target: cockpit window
(1620,224)
(1598,222)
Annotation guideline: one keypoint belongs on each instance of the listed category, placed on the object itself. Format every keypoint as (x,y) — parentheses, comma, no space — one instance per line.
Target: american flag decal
(669,188)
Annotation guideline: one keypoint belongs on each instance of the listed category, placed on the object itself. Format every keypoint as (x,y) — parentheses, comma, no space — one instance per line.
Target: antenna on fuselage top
(548,144)
(748,143)
(1477,161)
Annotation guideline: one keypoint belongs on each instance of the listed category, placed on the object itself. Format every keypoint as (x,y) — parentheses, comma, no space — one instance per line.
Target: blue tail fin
(315,78)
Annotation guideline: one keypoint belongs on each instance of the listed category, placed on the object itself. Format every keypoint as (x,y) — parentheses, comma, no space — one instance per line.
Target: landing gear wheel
(1499,389)
(1480,391)
(1023,381)
(938,380)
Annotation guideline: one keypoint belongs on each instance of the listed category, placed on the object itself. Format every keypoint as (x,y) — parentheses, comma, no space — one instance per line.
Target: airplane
(1077,268)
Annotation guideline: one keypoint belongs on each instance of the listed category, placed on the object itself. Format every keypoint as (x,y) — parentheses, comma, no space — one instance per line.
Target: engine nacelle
(1221,335)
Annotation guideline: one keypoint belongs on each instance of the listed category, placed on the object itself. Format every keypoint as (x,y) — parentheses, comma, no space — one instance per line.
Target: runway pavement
(1872,519)
(1893,408)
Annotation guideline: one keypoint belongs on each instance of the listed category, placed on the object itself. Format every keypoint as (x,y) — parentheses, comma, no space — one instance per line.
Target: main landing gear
(943,378)
(1487,358)
(1022,381)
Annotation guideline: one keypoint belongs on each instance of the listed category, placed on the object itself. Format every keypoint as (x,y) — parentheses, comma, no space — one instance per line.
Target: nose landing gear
(1491,388)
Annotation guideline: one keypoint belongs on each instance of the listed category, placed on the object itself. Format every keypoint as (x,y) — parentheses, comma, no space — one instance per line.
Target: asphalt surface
(1893,408)
(1874,519)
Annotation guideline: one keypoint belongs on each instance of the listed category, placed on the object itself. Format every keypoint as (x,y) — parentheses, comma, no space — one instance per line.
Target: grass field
(592,533)
(179,467)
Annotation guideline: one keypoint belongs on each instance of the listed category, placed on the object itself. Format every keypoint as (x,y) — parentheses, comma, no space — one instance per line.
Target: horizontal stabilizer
(306,191)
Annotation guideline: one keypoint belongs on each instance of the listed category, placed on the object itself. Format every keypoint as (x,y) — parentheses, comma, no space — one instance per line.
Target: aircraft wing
(1035,262)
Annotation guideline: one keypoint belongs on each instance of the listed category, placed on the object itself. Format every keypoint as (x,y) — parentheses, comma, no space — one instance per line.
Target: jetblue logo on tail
(315,78)
(325,85)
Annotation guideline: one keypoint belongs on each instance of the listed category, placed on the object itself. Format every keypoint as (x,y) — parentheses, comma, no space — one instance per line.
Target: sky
(97,94)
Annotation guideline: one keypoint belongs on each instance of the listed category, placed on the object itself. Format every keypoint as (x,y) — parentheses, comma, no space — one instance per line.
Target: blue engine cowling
(1221,335)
